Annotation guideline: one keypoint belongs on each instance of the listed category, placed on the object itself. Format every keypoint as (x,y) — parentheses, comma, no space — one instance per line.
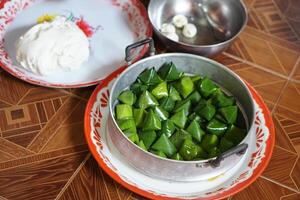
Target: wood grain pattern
(3,105)
(262,189)
(8,84)
(272,39)
(24,139)
(290,101)
(280,167)
(272,59)
(291,197)
(289,109)
(282,5)
(83,92)
(21,131)
(42,156)
(6,156)
(13,149)
(40,178)
(42,191)
(66,136)
(282,138)
(273,21)
(273,94)
(28,118)
(295,173)
(42,146)
(41,93)
(83,185)
(51,127)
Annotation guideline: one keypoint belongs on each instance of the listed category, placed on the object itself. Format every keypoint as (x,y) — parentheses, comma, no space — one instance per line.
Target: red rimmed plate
(242,175)
(112,24)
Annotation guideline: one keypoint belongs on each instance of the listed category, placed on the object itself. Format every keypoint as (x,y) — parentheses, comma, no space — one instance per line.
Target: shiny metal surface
(153,165)
(130,48)
(218,23)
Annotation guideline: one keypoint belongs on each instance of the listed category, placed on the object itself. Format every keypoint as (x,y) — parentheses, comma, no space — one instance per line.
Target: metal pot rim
(251,123)
(210,45)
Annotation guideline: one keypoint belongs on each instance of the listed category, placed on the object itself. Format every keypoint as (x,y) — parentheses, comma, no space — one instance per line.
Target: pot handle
(128,56)
(239,150)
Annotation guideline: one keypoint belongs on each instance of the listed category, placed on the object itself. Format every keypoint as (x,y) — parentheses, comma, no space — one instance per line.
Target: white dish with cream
(106,45)
(49,47)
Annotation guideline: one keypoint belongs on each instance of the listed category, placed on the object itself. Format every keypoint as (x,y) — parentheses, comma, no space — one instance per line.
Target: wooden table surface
(43,154)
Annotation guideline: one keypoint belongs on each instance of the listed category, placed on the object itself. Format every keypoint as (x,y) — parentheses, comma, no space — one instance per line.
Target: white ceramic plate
(244,173)
(115,24)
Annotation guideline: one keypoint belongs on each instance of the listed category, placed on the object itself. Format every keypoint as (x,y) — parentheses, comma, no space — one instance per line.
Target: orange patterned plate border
(150,194)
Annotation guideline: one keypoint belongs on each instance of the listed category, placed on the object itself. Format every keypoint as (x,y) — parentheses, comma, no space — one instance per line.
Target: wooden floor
(43,154)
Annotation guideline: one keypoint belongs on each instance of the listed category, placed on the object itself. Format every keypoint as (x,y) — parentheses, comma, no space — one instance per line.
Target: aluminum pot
(168,169)
(218,23)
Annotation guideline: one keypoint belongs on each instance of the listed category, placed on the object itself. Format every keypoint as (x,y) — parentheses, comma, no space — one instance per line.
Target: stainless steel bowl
(153,165)
(218,23)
